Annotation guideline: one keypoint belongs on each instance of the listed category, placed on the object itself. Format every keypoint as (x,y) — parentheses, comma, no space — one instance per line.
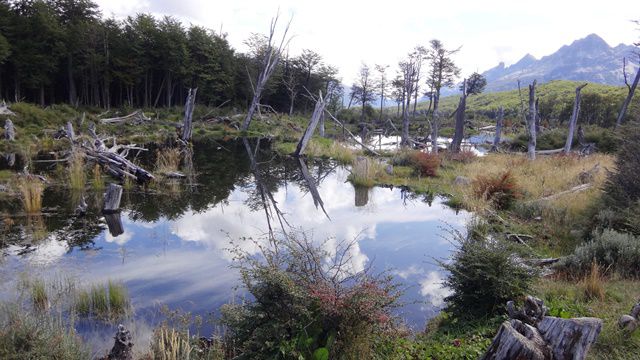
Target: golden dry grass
(167,160)
(77,175)
(31,190)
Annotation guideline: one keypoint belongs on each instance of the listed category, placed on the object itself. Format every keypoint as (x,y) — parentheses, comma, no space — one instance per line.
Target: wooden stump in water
(114,223)
(362,196)
(112,198)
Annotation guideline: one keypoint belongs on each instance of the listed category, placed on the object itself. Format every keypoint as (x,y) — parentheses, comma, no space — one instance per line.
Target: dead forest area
(548,267)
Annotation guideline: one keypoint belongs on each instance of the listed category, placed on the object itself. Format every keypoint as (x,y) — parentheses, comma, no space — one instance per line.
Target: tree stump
(9,130)
(114,223)
(122,345)
(112,198)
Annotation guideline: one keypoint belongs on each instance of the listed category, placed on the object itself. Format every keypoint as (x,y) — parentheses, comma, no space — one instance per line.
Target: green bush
(483,275)
(613,251)
(307,303)
(622,187)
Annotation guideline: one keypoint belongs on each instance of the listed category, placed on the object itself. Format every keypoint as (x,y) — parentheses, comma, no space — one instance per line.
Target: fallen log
(137,117)
(4,109)
(574,189)
(549,152)
(315,118)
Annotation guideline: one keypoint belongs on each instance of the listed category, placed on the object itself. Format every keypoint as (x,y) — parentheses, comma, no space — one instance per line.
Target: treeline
(64,51)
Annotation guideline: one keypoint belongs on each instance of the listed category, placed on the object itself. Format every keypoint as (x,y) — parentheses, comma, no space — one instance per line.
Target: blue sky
(348,33)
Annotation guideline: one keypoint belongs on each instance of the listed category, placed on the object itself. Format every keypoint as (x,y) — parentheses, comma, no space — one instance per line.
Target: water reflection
(172,248)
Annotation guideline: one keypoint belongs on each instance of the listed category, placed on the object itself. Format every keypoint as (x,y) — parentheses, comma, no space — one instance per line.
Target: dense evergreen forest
(55,51)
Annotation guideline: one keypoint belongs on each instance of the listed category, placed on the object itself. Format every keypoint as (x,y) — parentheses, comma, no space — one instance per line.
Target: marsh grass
(104,301)
(97,181)
(170,344)
(77,175)
(31,190)
(39,295)
(364,171)
(167,160)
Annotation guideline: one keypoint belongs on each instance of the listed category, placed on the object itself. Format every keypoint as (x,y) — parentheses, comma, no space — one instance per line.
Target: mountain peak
(592,41)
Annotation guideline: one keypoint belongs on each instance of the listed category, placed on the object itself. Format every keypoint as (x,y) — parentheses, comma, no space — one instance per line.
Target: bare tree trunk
(522,112)
(626,102)
(321,125)
(459,129)
(187,125)
(112,198)
(415,101)
(537,117)
(315,118)
(531,147)
(435,119)
(499,123)
(169,89)
(9,130)
(574,120)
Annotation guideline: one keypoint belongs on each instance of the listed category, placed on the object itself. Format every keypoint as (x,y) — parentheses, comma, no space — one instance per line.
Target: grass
(592,284)
(77,175)
(170,344)
(364,171)
(39,295)
(104,301)
(31,190)
(97,181)
(167,160)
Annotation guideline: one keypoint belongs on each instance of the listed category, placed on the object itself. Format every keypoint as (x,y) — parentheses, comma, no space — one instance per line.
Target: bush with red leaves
(501,189)
(426,164)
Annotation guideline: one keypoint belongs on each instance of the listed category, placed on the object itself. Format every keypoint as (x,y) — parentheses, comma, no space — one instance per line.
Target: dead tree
(122,345)
(269,63)
(459,129)
(137,117)
(315,118)
(187,124)
(574,119)
(9,130)
(531,146)
(499,123)
(631,90)
(311,184)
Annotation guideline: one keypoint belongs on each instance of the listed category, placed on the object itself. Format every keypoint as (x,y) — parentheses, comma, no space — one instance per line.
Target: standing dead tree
(315,118)
(499,123)
(531,122)
(459,128)
(272,55)
(631,90)
(408,71)
(574,119)
(9,130)
(187,124)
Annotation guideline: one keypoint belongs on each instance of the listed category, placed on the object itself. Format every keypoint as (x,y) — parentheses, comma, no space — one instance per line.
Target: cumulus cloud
(433,289)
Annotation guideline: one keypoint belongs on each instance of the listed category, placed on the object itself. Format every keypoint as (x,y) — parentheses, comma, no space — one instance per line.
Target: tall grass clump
(501,189)
(39,294)
(97,181)
(170,344)
(483,275)
(31,191)
(167,160)
(364,171)
(77,175)
(25,335)
(105,301)
(593,284)
(425,163)
(611,250)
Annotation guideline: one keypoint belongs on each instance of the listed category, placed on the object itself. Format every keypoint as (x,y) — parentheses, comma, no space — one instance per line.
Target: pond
(170,243)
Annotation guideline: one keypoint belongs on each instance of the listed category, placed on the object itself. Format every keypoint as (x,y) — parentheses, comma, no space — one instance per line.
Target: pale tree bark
(435,122)
(574,119)
(531,147)
(632,89)
(189,106)
(459,128)
(308,133)
(270,62)
(499,123)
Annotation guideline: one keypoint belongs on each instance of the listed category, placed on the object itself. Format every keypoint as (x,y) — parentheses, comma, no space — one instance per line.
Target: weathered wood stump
(187,125)
(9,130)
(112,198)
(532,335)
(122,345)
(630,322)
(114,223)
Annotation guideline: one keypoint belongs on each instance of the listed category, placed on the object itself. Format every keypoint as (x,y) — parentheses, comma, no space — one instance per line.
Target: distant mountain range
(589,59)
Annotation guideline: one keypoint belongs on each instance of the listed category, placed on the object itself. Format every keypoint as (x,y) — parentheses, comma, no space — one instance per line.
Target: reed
(39,295)
(31,191)
(77,175)
(97,181)
(167,160)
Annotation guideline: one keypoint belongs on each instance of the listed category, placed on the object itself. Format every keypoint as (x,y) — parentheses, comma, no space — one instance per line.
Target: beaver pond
(170,243)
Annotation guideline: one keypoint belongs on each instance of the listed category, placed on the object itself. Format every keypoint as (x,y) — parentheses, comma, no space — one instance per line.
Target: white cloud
(346,32)
(432,287)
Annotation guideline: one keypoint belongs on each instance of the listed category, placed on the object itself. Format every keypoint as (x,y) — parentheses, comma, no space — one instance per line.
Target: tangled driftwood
(532,335)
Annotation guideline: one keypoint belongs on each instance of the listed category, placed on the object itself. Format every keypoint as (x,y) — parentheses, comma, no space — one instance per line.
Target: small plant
(364,171)
(502,189)
(77,176)
(83,303)
(105,301)
(169,344)
(426,164)
(167,160)
(483,275)
(97,181)
(39,295)
(31,190)
(593,284)
(118,298)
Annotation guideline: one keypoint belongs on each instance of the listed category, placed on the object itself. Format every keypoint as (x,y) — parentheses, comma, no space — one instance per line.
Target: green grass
(39,295)
(77,175)
(104,301)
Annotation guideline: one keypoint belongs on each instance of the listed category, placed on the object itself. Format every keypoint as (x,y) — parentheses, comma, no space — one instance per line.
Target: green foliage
(298,312)
(616,252)
(483,275)
(622,187)
(105,301)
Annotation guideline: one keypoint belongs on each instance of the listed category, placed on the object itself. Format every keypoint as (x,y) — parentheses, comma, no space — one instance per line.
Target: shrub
(308,303)
(483,275)
(464,156)
(622,187)
(426,164)
(617,252)
(502,189)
